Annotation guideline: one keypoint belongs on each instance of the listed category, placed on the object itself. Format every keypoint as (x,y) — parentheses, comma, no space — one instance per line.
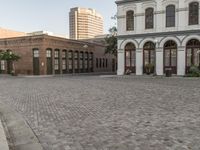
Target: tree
(10,58)
(111,42)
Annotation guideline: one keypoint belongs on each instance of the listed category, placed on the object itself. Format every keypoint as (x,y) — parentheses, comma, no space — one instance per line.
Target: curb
(19,135)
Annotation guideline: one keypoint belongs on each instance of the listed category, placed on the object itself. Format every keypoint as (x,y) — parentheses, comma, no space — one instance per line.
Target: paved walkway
(3,140)
(97,113)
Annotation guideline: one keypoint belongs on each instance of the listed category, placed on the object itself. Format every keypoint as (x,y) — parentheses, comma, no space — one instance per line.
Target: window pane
(2,65)
(170,16)
(152,57)
(167,57)
(64,65)
(76,55)
(56,64)
(76,64)
(149,18)
(130,20)
(48,53)
(196,56)
(173,57)
(146,58)
(86,64)
(70,55)
(36,53)
(128,57)
(70,64)
(81,64)
(189,57)
(56,54)
(194,13)
(133,59)
(64,54)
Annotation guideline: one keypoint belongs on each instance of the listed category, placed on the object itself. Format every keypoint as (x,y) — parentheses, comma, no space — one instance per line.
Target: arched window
(91,62)
(36,62)
(192,54)
(64,61)
(49,61)
(76,65)
(170,56)
(129,20)
(130,58)
(170,16)
(86,61)
(70,61)
(57,61)
(148,55)
(81,62)
(149,18)
(193,13)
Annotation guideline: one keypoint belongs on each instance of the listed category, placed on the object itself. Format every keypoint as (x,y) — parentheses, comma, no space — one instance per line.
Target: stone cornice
(119,2)
(159,34)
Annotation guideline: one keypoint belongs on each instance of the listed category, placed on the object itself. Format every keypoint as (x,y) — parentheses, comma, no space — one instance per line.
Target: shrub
(194,72)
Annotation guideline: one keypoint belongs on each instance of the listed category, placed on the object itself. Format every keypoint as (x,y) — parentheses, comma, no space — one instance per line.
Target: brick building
(45,55)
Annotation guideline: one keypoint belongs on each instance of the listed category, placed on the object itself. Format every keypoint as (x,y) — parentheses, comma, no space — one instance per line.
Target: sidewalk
(3,140)
(19,135)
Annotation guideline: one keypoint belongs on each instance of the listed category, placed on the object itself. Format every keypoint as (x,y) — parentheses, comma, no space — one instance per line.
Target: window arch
(170,15)
(149,18)
(130,57)
(130,20)
(193,13)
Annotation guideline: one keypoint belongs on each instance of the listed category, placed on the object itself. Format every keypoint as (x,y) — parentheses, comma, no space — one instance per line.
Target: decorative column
(121,62)
(139,61)
(159,61)
(181,61)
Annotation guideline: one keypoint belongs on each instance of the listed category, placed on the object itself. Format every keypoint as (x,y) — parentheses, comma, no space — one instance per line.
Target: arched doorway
(192,54)
(148,55)
(130,58)
(170,56)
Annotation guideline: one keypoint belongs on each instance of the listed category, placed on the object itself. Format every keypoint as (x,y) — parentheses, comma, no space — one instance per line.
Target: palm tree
(10,58)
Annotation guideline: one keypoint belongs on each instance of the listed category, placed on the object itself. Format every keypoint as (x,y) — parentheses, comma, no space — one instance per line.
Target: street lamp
(155,42)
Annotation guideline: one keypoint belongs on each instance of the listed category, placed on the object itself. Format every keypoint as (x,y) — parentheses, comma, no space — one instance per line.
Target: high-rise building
(84,23)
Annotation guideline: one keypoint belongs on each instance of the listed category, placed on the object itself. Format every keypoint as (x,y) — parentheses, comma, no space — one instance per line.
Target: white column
(159,61)
(139,62)
(181,61)
(121,57)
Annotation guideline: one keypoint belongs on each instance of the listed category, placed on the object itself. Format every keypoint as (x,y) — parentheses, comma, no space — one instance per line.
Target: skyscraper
(84,23)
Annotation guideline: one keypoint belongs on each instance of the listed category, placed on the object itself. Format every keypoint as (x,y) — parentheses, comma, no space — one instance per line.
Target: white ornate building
(167,29)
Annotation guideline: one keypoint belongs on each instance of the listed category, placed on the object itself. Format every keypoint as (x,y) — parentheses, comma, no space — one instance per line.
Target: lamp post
(155,42)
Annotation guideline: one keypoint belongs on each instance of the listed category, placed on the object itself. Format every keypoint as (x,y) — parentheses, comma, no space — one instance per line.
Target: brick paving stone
(108,113)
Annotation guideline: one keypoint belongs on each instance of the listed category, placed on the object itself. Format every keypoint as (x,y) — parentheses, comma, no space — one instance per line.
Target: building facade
(161,32)
(84,23)
(48,55)
(7,33)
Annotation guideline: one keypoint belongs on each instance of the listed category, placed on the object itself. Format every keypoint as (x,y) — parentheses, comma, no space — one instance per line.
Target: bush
(194,72)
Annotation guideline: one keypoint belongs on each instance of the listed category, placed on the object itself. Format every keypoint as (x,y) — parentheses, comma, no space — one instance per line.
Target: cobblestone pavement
(118,113)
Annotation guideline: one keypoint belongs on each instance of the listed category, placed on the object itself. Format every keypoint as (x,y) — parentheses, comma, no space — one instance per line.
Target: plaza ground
(108,113)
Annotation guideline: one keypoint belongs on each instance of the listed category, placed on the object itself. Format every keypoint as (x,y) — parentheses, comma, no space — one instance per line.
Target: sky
(49,15)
